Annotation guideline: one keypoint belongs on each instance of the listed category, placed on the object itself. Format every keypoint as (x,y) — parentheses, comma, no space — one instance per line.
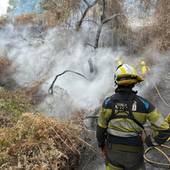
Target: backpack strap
(127,109)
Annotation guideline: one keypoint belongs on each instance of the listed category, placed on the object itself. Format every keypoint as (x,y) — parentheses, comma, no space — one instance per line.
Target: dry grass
(34,141)
(39,142)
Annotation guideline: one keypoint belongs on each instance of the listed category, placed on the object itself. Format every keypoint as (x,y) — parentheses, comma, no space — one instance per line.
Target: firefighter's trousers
(123,160)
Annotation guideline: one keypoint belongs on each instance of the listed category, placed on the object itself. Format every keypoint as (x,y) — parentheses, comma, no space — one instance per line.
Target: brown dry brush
(162,29)
(4,64)
(118,32)
(28,20)
(39,142)
(4,20)
(55,13)
(58,12)
(119,25)
(158,30)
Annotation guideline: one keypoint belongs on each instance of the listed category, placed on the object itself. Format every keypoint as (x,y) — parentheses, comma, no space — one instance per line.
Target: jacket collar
(123,90)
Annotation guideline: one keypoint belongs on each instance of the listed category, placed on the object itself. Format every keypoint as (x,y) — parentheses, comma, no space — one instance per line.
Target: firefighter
(144,68)
(118,61)
(121,121)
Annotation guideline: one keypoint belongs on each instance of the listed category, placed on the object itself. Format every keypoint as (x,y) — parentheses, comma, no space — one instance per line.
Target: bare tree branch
(89,45)
(100,28)
(104,11)
(87,3)
(23,38)
(110,18)
(85,12)
(94,3)
(91,21)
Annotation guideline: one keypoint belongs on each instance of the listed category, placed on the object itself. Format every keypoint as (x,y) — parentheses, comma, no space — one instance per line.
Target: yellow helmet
(119,62)
(126,75)
(142,63)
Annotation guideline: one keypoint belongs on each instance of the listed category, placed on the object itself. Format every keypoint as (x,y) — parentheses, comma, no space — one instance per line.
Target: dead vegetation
(55,13)
(42,20)
(35,141)
(39,142)
(12,105)
(4,20)
(121,32)
(156,24)
(28,20)
(32,140)
(4,64)
(162,24)
(153,14)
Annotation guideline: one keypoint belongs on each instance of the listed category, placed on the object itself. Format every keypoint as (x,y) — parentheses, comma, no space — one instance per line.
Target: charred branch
(100,28)
(104,11)
(51,87)
(91,65)
(90,45)
(91,21)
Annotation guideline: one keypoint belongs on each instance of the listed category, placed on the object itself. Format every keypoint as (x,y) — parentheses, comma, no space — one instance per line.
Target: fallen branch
(51,87)
(91,117)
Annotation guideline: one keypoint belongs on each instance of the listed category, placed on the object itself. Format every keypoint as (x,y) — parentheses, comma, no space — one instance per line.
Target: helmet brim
(134,79)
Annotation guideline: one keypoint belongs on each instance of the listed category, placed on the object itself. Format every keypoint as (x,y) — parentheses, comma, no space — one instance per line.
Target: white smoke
(58,53)
(3,7)
(35,58)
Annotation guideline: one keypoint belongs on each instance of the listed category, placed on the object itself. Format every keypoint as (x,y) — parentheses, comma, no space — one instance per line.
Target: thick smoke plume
(36,59)
(40,57)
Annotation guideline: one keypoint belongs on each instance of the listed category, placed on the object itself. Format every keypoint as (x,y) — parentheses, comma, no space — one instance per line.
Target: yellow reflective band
(123,70)
(134,70)
(101,124)
(111,167)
